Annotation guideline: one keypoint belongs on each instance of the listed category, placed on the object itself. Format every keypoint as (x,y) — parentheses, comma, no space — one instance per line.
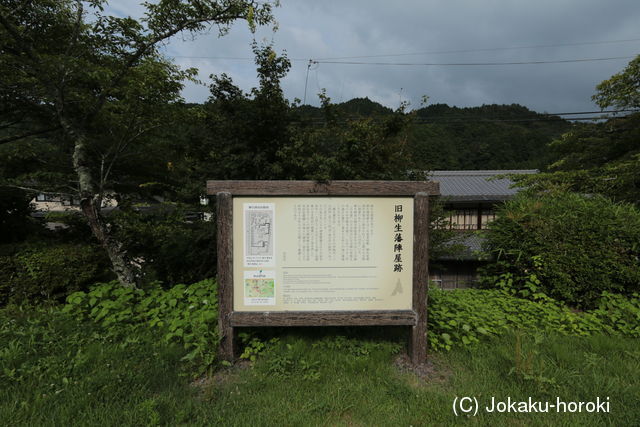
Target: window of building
(487,215)
(42,197)
(468,219)
(454,277)
(464,219)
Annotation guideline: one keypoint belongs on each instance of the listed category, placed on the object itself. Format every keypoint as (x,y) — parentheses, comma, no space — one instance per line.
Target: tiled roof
(471,247)
(478,185)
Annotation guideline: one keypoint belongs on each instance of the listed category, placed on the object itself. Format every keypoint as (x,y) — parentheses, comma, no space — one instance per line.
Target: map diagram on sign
(259,288)
(260,233)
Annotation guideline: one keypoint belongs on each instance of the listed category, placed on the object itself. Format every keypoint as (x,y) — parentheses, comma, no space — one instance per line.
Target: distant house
(470,199)
(46,203)
(52,203)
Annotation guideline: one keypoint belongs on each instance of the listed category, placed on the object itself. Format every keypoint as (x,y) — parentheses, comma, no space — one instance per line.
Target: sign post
(302,253)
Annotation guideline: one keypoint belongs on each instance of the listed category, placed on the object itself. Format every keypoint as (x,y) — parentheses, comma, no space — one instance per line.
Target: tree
(261,135)
(601,158)
(246,131)
(98,83)
(622,90)
(343,147)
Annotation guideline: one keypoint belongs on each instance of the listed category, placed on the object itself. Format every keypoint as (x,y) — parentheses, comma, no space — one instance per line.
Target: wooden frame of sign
(416,318)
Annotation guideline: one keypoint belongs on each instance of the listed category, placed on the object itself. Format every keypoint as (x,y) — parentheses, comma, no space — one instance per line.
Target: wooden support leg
(227,343)
(418,341)
(225,276)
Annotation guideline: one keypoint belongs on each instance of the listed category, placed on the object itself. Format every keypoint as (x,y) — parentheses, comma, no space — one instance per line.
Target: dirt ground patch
(429,372)
(222,377)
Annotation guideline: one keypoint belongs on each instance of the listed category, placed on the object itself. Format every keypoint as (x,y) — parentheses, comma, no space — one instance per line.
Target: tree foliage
(566,246)
(601,158)
(90,106)
(168,248)
(485,137)
(15,208)
(98,84)
(246,130)
(42,272)
(441,137)
(372,147)
(261,135)
(622,90)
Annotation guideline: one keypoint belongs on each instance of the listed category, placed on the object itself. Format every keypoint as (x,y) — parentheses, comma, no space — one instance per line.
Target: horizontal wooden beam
(331,188)
(323,318)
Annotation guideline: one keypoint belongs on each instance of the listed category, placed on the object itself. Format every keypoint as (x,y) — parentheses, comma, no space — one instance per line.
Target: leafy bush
(567,246)
(15,207)
(187,315)
(44,345)
(620,313)
(170,249)
(464,317)
(52,366)
(45,273)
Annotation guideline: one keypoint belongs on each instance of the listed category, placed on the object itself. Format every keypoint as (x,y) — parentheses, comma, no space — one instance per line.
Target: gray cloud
(312,29)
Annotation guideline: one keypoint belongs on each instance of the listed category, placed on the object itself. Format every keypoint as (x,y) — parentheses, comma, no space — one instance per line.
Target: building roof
(477,185)
(471,248)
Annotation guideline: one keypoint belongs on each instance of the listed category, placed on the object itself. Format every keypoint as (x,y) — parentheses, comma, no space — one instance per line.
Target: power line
(439,52)
(437,120)
(466,64)
(592,112)
(479,120)
(542,117)
(551,116)
(227,58)
(555,114)
(221,58)
(436,52)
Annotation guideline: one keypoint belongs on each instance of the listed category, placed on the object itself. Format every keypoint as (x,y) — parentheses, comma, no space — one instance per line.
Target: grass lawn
(59,372)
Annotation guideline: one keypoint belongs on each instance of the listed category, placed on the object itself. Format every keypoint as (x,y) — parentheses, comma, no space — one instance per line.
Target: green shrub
(172,250)
(47,357)
(465,317)
(620,313)
(46,273)
(187,315)
(15,207)
(566,246)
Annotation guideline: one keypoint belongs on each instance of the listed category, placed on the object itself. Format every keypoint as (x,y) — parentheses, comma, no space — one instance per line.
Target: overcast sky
(477,31)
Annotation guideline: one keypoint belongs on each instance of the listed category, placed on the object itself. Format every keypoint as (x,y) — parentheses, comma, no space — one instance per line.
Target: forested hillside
(441,137)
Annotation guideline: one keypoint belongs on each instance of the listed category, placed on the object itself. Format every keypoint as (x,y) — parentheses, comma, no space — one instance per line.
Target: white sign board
(322,253)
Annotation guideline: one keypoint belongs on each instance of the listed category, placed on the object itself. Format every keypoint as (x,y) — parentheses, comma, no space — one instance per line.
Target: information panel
(322,253)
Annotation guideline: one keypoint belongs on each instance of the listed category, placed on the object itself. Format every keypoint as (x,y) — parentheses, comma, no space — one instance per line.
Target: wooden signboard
(302,253)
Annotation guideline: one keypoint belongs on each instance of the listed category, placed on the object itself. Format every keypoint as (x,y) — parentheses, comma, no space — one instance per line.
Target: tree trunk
(91,205)
(120,262)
